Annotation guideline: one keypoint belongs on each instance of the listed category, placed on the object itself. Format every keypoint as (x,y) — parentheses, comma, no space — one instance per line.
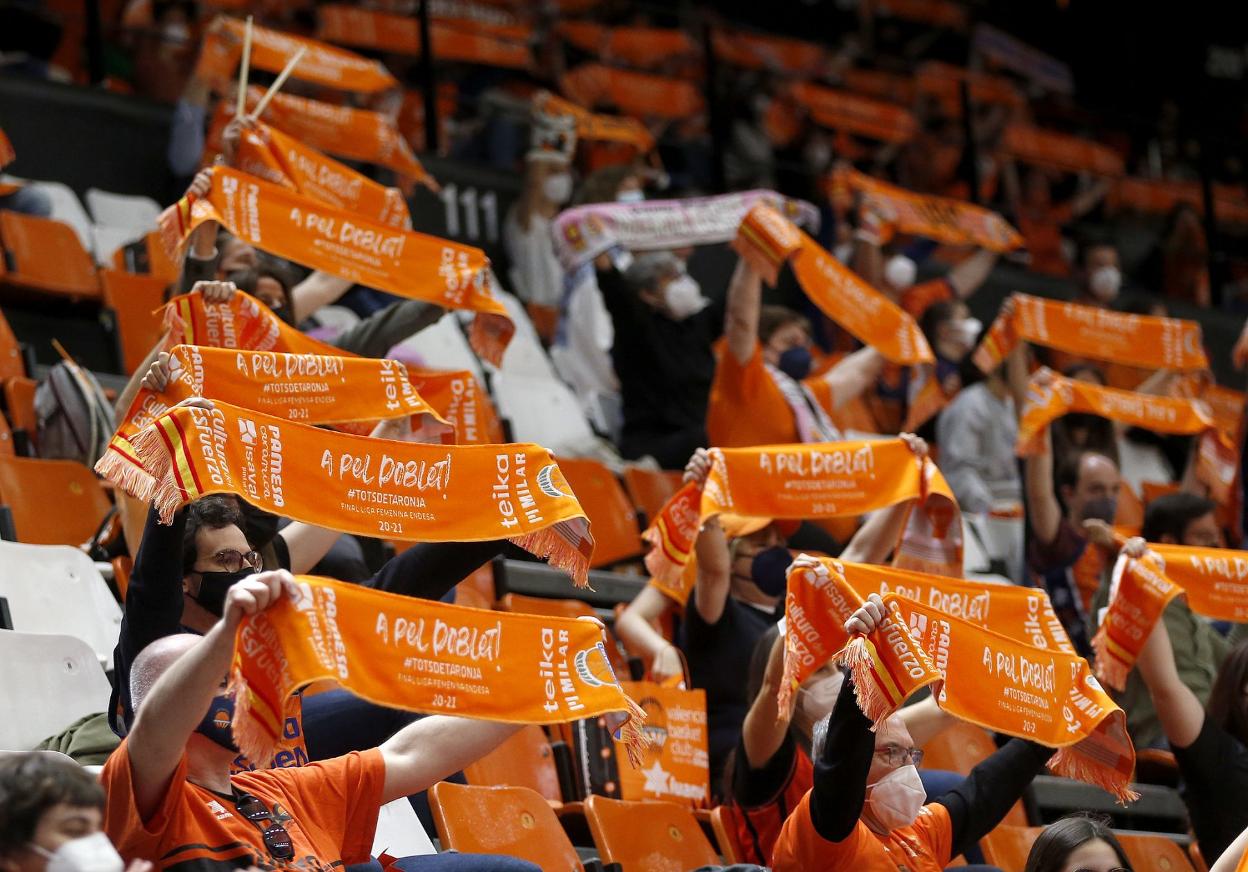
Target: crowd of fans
(680,368)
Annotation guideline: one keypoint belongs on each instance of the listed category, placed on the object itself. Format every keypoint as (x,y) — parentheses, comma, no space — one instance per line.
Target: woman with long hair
(1077,843)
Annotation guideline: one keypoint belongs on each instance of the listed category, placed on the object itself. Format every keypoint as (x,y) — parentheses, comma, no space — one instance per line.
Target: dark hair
(248,278)
(1062,838)
(773,318)
(1088,243)
(1170,514)
(1067,472)
(935,315)
(1227,705)
(32,783)
(602,185)
(211,512)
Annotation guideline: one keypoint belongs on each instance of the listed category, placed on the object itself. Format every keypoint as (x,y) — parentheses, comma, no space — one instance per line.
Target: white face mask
(899,272)
(967,330)
(894,801)
(631,195)
(1104,282)
(683,297)
(558,188)
(176,33)
(843,252)
(93,853)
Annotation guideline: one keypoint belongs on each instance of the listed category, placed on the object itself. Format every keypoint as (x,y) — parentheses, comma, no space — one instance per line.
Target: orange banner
(424,656)
(766,239)
(944,82)
(1060,151)
(344,244)
(851,113)
(641,47)
(594,126)
(1159,196)
(880,85)
(267,153)
(272,49)
(1138,340)
(636,94)
(757,51)
(676,765)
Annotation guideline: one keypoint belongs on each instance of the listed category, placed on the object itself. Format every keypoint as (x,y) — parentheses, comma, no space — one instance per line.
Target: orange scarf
(851,113)
(1215,581)
(944,82)
(272,49)
(636,94)
(639,47)
(592,126)
(7,156)
(459,399)
(267,153)
(756,51)
(825,480)
(344,244)
(315,389)
(1159,196)
(998,681)
(356,134)
(1086,331)
(370,487)
(1060,151)
(400,34)
(948,221)
(423,656)
(766,239)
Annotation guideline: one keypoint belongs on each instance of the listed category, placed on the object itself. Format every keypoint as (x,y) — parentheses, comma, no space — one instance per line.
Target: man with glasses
(172,798)
(866,809)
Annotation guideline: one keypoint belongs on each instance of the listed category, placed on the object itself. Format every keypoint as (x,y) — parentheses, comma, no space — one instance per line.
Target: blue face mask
(217,724)
(796,362)
(769,570)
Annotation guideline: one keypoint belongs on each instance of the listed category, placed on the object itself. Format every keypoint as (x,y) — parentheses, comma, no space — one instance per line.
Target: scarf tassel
(122,471)
(1067,762)
(555,548)
(1110,669)
(164,493)
(251,735)
(859,657)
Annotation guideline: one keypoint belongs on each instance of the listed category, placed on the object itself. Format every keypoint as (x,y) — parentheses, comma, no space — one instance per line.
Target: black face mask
(213,586)
(285,314)
(796,362)
(217,725)
(1102,508)
(769,570)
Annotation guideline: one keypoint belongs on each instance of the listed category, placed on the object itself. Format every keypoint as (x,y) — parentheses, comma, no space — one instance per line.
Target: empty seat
(54,502)
(57,589)
(107,242)
(1007,846)
(130,212)
(512,821)
(649,489)
(648,836)
(959,748)
(19,405)
(544,411)
(441,345)
(46,683)
(1154,853)
(11,361)
(611,516)
(45,255)
(524,354)
(67,208)
(524,760)
(134,301)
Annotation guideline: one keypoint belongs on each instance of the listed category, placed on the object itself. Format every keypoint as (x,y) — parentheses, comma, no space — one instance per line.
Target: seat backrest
(6,438)
(132,212)
(159,263)
(611,516)
(134,300)
(46,683)
(109,241)
(958,748)
(544,411)
(19,404)
(524,760)
(649,489)
(512,821)
(47,256)
(1153,853)
(724,825)
(1007,846)
(57,589)
(11,361)
(524,354)
(54,502)
(441,345)
(67,208)
(648,836)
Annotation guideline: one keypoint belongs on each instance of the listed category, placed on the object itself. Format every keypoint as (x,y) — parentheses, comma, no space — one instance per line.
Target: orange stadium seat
(1150,853)
(513,821)
(6,438)
(46,255)
(648,836)
(11,362)
(724,825)
(134,300)
(19,405)
(1007,847)
(54,502)
(958,748)
(650,489)
(612,517)
(524,760)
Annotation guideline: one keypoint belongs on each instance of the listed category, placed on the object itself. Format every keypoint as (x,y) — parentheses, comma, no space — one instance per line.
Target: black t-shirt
(1215,776)
(719,657)
(665,367)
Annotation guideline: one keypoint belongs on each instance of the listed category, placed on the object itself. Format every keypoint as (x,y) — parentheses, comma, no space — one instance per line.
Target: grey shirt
(976,434)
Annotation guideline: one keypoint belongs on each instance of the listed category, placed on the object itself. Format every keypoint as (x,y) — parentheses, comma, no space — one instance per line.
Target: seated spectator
(865,808)
(976,433)
(1199,650)
(171,795)
(763,392)
(1077,843)
(51,810)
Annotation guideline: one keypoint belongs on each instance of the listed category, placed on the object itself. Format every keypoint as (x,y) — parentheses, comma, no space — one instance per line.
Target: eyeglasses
(276,839)
(895,755)
(232,561)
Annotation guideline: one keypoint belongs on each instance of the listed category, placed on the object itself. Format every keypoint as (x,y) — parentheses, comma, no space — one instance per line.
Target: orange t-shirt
(924,846)
(328,808)
(916,298)
(746,408)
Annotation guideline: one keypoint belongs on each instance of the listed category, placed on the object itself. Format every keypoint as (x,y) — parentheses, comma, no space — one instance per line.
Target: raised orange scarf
(643,48)
(272,49)
(997,681)
(943,219)
(1215,581)
(593,126)
(1159,196)
(312,388)
(355,134)
(823,480)
(766,239)
(637,94)
(267,153)
(944,82)
(1086,331)
(370,487)
(344,244)
(450,40)
(423,656)
(459,399)
(757,51)
(851,113)
(1060,151)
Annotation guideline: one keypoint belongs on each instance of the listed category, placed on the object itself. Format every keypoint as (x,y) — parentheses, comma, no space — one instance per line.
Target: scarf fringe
(555,549)
(858,657)
(788,686)
(122,472)
(250,736)
(489,335)
(1071,764)
(635,742)
(1110,670)
(165,494)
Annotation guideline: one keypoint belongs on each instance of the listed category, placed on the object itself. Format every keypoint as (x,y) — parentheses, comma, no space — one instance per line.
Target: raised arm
(1178,709)
(986,795)
(967,277)
(1043,510)
(635,628)
(318,289)
(1229,861)
(423,753)
(853,374)
(745,301)
(765,726)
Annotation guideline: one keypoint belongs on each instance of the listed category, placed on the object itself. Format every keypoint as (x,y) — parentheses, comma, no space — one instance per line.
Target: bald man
(172,799)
